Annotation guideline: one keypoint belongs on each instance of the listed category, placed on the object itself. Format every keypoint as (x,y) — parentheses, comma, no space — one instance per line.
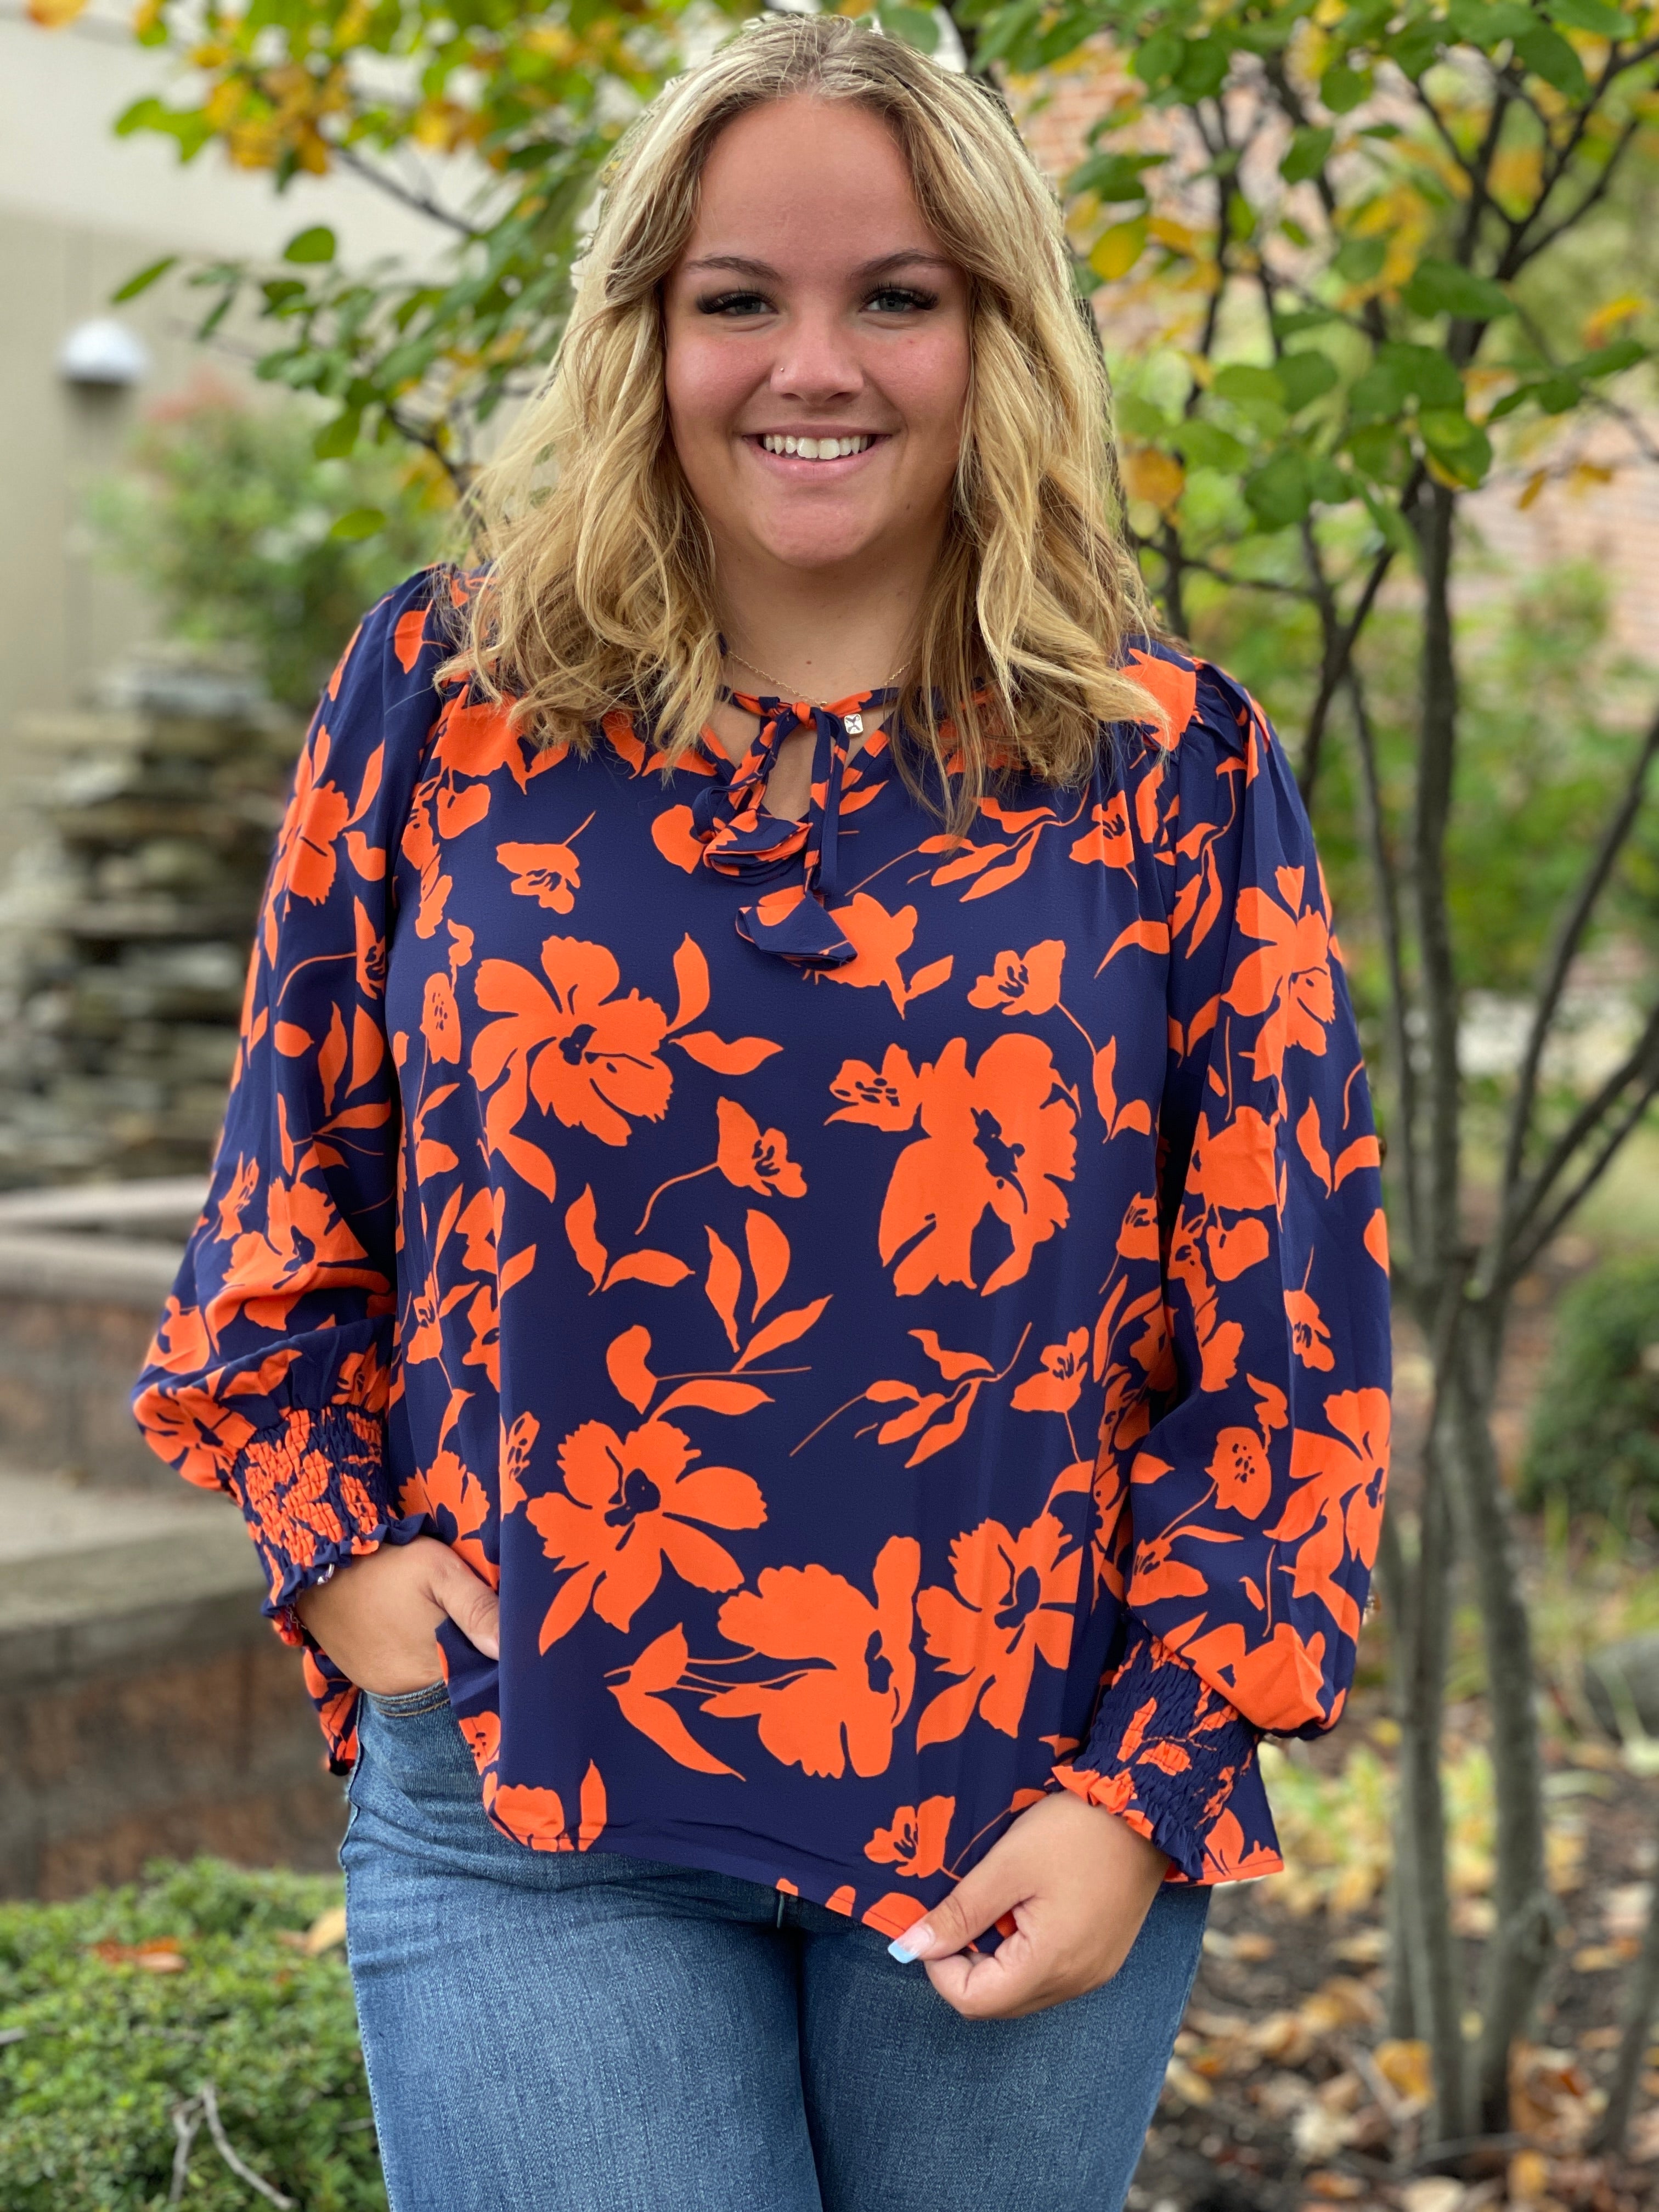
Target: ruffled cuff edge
(1175,1761)
(312,1491)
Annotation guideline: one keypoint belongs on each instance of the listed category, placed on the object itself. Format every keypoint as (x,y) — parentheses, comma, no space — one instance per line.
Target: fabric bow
(740,839)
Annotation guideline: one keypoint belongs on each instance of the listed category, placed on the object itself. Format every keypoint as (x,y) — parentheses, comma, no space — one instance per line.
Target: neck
(820,637)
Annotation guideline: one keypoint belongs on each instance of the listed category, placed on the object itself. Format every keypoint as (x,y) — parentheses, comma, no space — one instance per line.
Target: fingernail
(908,1947)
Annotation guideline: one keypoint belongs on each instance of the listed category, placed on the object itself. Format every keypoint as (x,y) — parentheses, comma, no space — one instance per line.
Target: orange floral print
(1289,979)
(440,1019)
(852,1673)
(1014,1598)
(752,1160)
(550,874)
(913,1840)
(590,1058)
(1000,1140)
(629,1504)
(1027,984)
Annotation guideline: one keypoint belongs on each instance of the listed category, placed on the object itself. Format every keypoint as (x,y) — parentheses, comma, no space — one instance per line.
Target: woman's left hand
(1078,1883)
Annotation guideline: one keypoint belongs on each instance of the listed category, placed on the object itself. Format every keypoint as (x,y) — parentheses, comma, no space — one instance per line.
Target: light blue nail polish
(899,1949)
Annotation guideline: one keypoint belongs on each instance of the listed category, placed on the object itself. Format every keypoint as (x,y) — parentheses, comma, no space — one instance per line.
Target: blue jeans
(588,2032)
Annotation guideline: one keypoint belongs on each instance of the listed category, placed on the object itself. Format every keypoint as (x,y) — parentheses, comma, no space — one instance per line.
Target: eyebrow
(739,264)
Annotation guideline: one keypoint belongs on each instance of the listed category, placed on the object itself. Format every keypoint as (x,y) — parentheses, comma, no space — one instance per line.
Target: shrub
(1594,1442)
(112,2046)
(229,522)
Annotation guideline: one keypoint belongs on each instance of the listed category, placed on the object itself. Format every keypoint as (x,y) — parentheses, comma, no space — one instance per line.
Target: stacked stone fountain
(126,922)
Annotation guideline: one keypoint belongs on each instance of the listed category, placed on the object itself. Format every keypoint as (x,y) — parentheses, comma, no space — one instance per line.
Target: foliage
(112,2046)
(1595,1435)
(492,117)
(228,519)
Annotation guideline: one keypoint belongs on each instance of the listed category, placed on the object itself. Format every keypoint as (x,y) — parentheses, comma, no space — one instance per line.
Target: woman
(800,1189)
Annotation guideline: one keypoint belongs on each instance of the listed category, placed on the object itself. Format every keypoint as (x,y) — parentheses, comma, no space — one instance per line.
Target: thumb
(468,1601)
(980,1900)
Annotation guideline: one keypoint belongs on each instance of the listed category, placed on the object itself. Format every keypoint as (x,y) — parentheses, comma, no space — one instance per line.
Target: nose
(815,359)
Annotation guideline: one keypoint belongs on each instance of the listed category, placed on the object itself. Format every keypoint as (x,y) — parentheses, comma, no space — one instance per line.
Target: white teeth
(816,449)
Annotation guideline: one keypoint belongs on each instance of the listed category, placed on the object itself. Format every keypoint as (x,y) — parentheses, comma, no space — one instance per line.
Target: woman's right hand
(377,1616)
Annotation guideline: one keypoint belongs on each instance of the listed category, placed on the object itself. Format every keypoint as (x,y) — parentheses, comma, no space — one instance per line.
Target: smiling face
(818,347)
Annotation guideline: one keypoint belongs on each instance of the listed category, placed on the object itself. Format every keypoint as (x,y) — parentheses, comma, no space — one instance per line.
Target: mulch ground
(1287,2090)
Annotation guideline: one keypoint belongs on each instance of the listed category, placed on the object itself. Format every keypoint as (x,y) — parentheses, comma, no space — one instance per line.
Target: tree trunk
(1524,1936)
(1423,1901)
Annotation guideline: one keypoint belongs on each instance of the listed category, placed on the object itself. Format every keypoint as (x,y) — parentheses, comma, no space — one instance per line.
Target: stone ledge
(146,1707)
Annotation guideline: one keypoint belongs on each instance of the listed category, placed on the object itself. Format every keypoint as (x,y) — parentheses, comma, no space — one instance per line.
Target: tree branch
(420,203)
(1374,834)
(1564,950)
(1618,1131)
(1641,1063)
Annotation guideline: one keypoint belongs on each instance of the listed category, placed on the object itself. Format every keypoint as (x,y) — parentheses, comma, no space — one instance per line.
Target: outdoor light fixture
(104,354)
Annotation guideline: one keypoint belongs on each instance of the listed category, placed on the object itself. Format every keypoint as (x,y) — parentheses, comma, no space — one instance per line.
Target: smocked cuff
(1172,1758)
(311,1490)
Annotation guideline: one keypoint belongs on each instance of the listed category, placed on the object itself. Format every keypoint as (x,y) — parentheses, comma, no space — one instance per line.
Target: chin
(817,541)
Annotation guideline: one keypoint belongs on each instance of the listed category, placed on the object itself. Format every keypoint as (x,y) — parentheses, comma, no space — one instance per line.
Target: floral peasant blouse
(901,1316)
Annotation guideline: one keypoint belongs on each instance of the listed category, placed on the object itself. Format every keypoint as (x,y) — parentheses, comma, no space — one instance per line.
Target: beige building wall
(80,212)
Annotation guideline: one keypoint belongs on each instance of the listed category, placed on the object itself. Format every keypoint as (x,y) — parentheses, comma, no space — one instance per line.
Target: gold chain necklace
(852,723)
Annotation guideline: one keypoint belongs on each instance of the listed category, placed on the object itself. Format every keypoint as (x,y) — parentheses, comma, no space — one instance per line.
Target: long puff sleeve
(1255,1494)
(268,1374)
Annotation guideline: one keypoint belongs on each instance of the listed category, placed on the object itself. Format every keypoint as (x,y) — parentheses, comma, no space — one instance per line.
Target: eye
(900,299)
(734,304)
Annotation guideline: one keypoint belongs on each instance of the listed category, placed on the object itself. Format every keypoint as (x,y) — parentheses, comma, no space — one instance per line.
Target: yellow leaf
(1517,172)
(1536,483)
(1116,250)
(1150,475)
(1403,2063)
(325,1932)
(1599,326)
(1528,2177)
(1175,235)
(53,15)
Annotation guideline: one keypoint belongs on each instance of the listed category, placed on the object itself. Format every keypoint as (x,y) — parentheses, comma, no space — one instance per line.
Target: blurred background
(1376,284)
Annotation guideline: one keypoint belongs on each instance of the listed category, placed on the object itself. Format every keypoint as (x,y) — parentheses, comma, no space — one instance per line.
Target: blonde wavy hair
(599,590)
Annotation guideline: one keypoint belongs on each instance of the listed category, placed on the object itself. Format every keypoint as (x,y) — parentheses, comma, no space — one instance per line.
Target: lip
(795,470)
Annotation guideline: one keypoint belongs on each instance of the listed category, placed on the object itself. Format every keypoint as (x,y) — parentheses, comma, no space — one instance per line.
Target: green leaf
(1204,444)
(1307,155)
(1599,17)
(1115,177)
(916,26)
(143,280)
(1342,88)
(1424,373)
(1304,376)
(1203,69)
(1441,287)
(1487,23)
(1279,493)
(1139,418)
(1376,451)
(1556,395)
(316,244)
(1415,50)
(1468,460)
(1447,429)
(1548,54)
(1360,259)
(335,440)
(361,522)
(1241,381)
(1378,395)
(1606,361)
(1155,59)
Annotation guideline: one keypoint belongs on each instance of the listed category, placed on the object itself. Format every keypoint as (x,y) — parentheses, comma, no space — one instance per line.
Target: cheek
(703,384)
(930,382)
